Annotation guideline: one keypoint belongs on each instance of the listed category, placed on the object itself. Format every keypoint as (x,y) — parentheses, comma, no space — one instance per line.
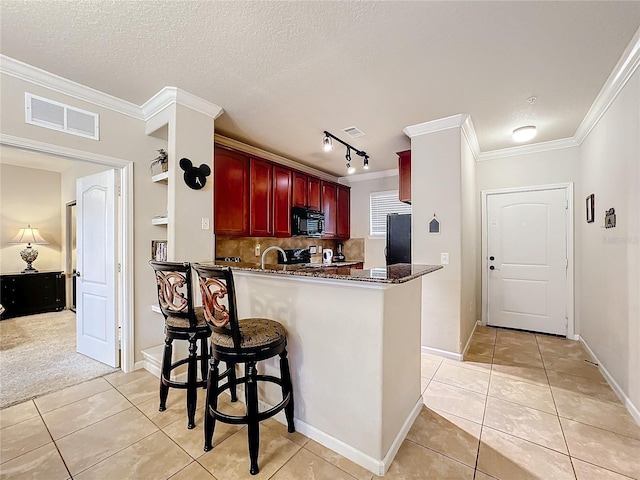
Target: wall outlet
(205,223)
(256,250)
(444,259)
(312,250)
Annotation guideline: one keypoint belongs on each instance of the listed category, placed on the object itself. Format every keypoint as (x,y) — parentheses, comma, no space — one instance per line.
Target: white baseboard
(378,467)
(633,409)
(466,347)
(442,353)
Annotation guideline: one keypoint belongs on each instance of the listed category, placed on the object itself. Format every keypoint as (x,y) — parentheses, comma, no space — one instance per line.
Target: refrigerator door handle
(385,252)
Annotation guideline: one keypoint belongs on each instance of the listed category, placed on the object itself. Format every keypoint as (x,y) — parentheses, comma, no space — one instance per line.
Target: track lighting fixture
(328,145)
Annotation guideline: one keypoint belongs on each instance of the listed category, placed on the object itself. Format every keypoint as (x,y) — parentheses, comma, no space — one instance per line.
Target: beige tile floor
(521,406)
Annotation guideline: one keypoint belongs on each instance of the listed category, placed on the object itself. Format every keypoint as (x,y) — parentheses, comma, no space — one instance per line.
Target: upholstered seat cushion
(183,323)
(255,332)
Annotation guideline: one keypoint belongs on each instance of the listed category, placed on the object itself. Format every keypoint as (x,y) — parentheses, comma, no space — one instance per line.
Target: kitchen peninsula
(354,349)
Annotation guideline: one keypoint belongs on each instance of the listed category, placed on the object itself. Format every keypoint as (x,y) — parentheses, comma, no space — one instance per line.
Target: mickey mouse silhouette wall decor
(194,177)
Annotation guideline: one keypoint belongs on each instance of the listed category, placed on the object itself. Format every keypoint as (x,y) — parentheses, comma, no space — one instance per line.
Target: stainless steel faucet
(268,249)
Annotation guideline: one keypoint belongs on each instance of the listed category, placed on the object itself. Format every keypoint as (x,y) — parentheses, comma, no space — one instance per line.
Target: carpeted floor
(38,356)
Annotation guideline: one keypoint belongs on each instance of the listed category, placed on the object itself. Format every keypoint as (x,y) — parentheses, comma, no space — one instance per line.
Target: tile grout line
(484,413)
(52,440)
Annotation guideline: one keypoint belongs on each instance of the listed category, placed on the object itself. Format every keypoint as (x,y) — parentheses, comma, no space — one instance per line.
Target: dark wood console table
(29,293)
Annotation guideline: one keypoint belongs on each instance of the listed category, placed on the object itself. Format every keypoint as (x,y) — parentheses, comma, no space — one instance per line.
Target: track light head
(366,162)
(327,144)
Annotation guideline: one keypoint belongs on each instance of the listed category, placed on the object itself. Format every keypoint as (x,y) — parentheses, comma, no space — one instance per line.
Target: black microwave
(306,222)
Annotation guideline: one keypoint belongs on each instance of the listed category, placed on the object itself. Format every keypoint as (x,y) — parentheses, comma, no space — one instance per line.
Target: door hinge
(566,322)
(566,263)
(119,268)
(566,204)
(119,191)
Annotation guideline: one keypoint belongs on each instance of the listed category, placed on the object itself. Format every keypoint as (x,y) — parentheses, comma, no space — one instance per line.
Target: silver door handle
(75,274)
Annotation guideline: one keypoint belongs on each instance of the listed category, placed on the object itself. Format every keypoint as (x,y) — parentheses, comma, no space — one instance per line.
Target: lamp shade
(29,235)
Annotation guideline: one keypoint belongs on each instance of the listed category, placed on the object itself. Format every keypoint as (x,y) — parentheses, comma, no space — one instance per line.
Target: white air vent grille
(58,116)
(353,132)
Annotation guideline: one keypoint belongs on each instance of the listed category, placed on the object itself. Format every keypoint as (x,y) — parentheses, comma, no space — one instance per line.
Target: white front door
(527,260)
(97,327)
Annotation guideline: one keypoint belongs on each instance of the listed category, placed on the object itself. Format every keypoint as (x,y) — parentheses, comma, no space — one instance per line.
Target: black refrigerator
(398,238)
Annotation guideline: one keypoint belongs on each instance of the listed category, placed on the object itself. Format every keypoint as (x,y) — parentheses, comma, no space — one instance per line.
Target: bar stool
(245,341)
(183,322)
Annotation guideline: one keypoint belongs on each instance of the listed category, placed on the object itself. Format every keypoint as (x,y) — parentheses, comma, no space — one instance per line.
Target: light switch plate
(444,259)
(205,223)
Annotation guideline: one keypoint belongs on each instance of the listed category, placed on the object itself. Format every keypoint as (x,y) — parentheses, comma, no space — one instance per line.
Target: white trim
(442,353)
(633,409)
(527,149)
(379,467)
(125,227)
(469,134)
(361,177)
(170,95)
(31,74)
(568,187)
(437,125)
(243,147)
(622,72)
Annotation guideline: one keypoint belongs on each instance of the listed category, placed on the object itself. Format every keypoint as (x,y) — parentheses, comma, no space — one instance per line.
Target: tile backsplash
(244,247)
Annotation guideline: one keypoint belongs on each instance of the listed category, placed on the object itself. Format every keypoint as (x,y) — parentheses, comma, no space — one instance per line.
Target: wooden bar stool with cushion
(183,322)
(241,341)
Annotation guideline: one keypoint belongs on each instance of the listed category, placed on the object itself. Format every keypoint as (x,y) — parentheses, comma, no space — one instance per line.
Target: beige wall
(30,196)
(123,137)
(544,168)
(436,188)
(610,258)
(360,213)
(469,243)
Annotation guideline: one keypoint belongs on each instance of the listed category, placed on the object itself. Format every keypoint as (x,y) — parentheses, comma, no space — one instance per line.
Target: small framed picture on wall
(591,201)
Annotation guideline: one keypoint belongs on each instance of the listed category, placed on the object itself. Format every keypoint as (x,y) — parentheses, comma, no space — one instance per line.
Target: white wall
(610,287)
(30,196)
(360,213)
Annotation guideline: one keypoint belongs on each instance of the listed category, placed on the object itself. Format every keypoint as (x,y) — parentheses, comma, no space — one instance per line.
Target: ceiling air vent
(353,132)
(58,116)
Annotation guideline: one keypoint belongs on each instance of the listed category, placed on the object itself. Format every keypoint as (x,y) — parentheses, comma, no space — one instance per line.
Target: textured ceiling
(285,71)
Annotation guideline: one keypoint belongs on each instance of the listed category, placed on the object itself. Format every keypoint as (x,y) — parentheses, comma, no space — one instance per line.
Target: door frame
(124,222)
(568,189)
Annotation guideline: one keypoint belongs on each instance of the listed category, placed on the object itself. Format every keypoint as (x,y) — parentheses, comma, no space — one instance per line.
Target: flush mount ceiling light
(524,134)
(328,145)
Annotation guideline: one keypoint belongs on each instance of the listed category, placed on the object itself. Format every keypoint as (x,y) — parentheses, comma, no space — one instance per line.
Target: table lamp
(29,236)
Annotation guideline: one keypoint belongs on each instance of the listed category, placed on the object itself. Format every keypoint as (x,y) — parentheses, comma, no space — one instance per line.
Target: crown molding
(469,133)
(527,149)
(622,72)
(435,125)
(170,95)
(361,177)
(243,147)
(14,68)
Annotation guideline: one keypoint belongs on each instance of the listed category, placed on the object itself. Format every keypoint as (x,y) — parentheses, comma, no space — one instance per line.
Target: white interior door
(527,260)
(97,327)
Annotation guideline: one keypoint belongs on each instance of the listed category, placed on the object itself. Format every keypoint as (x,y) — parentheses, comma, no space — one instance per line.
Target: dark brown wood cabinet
(314,194)
(329,208)
(404,176)
(260,198)
(299,190)
(343,211)
(30,293)
(231,192)
(282,194)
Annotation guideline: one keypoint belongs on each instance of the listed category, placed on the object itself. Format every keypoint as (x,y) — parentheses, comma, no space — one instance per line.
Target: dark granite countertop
(399,273)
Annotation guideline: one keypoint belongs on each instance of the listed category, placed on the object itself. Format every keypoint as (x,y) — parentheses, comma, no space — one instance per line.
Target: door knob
(492,267)
(492,257)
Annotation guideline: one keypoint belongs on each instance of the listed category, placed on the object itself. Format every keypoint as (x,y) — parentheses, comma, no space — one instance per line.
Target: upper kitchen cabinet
(299,190)
(404,176)
(261,198)
(329,208)
(343,223)
(314,196)
(282,198)
(231,192)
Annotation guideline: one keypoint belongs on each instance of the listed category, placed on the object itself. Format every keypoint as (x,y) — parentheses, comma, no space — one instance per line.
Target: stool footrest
(185,385)
(242,419)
